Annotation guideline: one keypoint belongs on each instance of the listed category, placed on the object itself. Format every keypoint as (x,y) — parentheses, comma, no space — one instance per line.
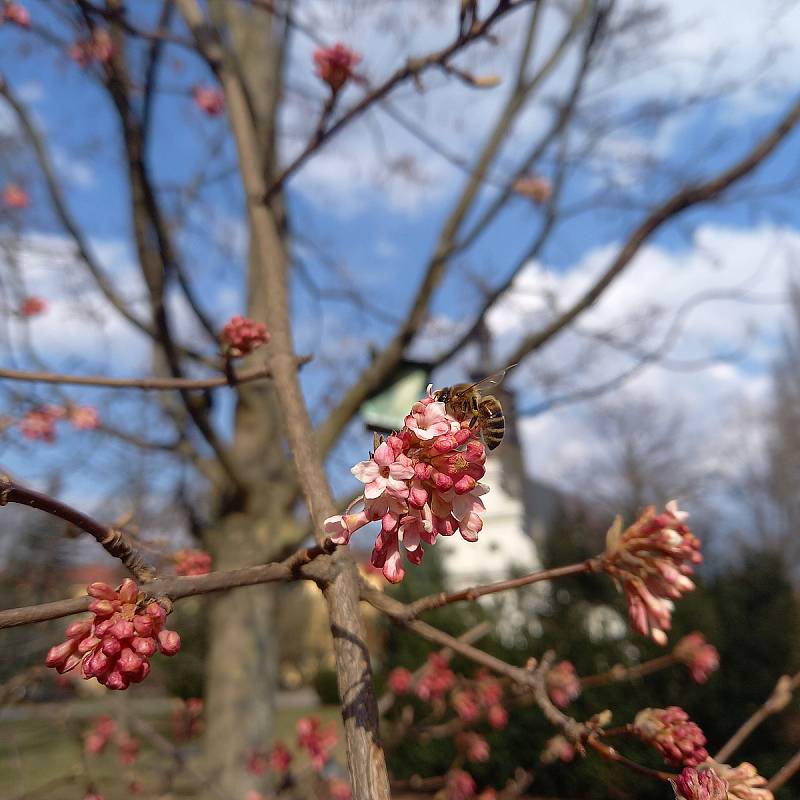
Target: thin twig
(619,672)
(779,698)
(784,773)
(308,564)
(113,541)
(473,593)
(145,384)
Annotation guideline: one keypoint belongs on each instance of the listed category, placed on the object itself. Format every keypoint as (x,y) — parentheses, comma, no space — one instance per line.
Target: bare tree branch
(681,201)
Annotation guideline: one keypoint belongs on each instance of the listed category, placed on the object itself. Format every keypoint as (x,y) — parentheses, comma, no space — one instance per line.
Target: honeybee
(466,401)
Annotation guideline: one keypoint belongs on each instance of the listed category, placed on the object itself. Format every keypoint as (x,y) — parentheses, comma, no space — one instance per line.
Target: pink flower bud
(111,647)
(141,673)
(96,665)
(442,482)
(143,625)
(122,629)
(78,629)
(128,591)
(128,661)
(169,642)
(144,646)
(59,653)
(464,484)
(335,65)
(17,14)
(400,680)
(117,681)
(102,608)
(423,471)
(102,628)
(155,611)
(463,435)
(692,784)
(102,591)
(70,663)
(497,717)
(88,644)
(446,443)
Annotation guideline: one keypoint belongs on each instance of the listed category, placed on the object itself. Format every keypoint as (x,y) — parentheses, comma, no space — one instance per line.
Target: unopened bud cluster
(209,99)
(116,645)
(563,684)
(694,784)
(652,561)
(700,657)
(673,734)
(335,65)
(104,731)
(317,740)
(242,335)
(16,14)
(192,562)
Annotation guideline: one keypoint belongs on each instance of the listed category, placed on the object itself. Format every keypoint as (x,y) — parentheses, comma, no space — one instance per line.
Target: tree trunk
(243,659)
(241,668)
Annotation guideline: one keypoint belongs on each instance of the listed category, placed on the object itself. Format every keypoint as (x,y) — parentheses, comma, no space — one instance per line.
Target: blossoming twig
(306,564)
(410,71)
(386,701)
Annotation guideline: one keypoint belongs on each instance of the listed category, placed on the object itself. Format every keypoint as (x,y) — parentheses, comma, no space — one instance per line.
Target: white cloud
(74,171)
(742,273)
(697,46)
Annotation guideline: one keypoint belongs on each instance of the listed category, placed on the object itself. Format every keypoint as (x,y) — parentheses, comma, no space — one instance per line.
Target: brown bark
(242,667)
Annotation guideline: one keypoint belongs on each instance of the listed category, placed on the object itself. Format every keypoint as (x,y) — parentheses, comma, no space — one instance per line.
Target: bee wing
(485,385)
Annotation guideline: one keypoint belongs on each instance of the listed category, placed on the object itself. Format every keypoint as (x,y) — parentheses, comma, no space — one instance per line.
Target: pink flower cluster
(744,782)
(335,65)
(103,730)
(652,561)
(563,683)
(209,99)
(15,197)
(32,306)
(115,646)
(17,14)
(317,740)
(98,48)
(40,423)
(673,734)
(192,562)
(460,785)
(474,746)
(693,784)
(558,748)
(436,680)
(280,759)
(539,189)
(187,719)
(419,484)
(242,335)
(698,655)
(471,701)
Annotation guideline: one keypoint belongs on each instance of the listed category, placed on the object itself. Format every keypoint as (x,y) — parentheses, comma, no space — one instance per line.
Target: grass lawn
(43,758)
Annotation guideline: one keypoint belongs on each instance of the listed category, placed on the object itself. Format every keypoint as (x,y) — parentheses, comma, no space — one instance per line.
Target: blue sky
(376,227)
